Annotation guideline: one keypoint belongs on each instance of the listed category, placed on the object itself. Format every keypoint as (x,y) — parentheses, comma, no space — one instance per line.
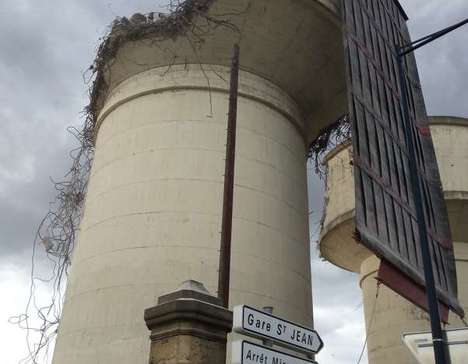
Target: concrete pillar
(188,326)
(387,316)
(450,135)
(461,258)
(153,208)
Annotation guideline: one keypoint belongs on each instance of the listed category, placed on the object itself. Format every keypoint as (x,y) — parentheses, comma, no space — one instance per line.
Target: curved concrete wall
(388,316)
(450,135)
(153,210)
(338,221)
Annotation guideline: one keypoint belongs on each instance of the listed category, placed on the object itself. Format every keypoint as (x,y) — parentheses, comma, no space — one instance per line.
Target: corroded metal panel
(386,219)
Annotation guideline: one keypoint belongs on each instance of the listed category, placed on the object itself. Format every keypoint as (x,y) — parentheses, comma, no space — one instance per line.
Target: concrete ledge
(271,35)
(210,79)
(448,120)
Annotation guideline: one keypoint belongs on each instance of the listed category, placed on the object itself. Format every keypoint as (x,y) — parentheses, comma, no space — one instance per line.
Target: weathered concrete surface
(153,210)
(387,317)
(451,148)
(338,223)
(391,315)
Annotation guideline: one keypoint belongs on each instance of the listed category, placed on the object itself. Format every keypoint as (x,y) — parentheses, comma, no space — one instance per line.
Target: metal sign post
(441,353)
(437,334)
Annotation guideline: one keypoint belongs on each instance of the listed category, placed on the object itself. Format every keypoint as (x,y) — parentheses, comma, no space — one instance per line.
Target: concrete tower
(388,316)
(153,209)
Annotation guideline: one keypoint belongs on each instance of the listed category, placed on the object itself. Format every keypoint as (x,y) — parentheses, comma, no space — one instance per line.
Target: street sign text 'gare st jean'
(261,325)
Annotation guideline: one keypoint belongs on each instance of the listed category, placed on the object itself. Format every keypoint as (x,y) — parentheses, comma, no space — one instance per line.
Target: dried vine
(157,27)
(57,233)
(330,137)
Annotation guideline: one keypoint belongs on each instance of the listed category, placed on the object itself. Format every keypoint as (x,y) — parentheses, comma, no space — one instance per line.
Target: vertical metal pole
(440,347)
(266,342)
(226,230)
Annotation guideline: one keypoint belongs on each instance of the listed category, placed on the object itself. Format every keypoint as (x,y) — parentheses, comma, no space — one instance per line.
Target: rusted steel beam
(226,230)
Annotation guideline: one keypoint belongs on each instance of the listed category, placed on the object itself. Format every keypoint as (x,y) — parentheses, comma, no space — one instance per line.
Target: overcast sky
(44,48)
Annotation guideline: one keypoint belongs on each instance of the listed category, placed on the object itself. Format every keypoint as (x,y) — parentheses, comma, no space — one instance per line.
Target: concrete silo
(153,209)
(389,315)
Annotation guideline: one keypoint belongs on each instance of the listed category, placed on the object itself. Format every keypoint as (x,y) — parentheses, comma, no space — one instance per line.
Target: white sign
(422,347)
(244,352)
(255,323)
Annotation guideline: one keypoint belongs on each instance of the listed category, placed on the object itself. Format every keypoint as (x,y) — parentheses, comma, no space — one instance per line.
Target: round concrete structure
(153,209)
(389,315)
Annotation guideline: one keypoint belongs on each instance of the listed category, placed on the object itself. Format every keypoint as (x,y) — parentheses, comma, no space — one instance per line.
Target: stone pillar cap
(190,310)
(191,289)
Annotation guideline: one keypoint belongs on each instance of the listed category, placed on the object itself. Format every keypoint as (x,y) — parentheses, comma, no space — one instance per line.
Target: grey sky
(44,49)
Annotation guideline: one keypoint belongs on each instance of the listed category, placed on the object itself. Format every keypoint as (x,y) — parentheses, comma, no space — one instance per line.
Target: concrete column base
(388,316)
(188,326)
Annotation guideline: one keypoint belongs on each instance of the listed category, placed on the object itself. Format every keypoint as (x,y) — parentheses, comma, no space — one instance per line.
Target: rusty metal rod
(226,229)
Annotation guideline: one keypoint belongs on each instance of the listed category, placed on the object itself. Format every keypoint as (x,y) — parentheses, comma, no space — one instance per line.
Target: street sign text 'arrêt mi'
(244,352)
